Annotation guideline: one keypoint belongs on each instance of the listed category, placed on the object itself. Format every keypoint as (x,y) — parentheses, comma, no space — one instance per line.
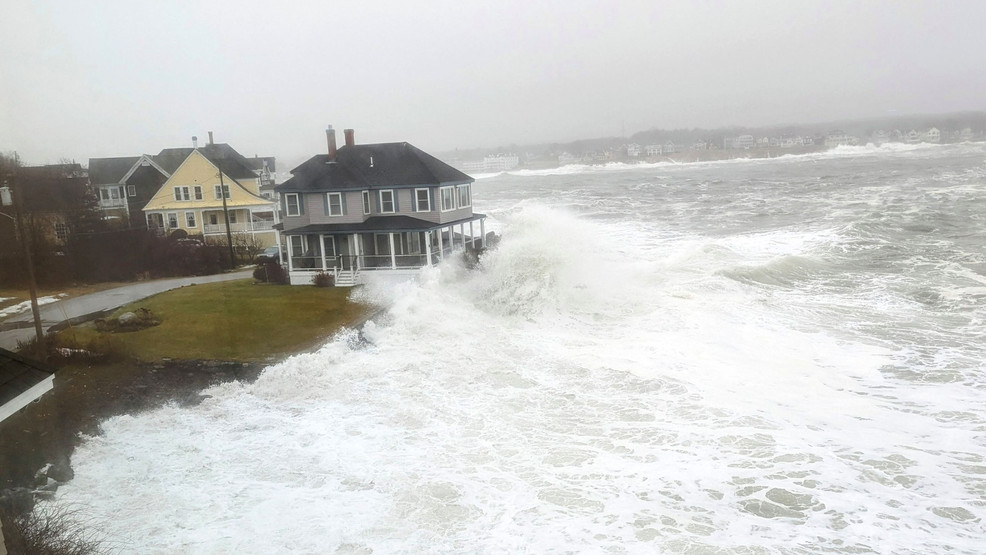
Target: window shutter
(414,200)
(284,204)
(394,194)
(431,197)
(301,204)
(343,202)
(325,203)
(376,199)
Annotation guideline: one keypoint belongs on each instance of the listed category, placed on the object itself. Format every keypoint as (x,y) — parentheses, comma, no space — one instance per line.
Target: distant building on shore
(493,163)
(840,138)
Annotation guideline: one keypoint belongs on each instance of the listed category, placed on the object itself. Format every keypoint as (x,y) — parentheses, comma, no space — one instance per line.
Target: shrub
(58,531)
(270,272)
(324,279)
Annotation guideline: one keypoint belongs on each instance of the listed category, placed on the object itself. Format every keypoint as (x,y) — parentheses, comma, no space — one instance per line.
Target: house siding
(315,209)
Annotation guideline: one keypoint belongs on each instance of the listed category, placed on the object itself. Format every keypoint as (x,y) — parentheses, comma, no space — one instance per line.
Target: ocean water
(754,356)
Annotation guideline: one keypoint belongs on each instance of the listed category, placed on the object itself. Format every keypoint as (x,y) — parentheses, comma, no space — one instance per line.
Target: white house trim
(22,400)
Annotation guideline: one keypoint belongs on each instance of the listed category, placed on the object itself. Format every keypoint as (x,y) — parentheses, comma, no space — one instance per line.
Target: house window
(198,192)
(213,219)
(422,200)
(172,220)
(181,193)
(122,195)
(232,216)
(465,195)
(291,201)
(225,189)
(115,193)
(387,202)
(448,198)
(131,190)
(61,231)
(335,204)
(104,194)
(330,245)
(190,219)
(366,202)
(297,248)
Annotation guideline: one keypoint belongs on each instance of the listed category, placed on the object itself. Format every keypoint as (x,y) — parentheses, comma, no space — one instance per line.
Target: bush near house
(270,272)
(324,279)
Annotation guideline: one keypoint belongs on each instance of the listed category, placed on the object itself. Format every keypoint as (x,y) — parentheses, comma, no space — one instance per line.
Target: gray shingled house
(374,208)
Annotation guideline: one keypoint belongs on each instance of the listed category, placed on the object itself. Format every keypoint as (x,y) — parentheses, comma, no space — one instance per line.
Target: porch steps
(346,278)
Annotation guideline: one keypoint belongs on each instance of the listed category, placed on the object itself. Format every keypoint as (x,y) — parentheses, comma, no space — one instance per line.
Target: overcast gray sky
(115,78)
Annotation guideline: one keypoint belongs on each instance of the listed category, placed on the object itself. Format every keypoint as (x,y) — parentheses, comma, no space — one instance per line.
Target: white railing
(112,203)
(260,225)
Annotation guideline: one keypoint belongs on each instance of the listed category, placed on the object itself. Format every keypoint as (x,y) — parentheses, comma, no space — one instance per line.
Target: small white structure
(21,381)
(932,135)
(654,150)
(633,150)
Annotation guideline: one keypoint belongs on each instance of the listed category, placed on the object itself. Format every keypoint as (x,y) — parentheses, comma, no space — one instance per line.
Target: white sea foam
(599,385)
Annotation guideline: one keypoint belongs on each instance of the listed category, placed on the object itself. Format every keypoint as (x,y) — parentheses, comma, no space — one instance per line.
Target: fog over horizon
(119,79)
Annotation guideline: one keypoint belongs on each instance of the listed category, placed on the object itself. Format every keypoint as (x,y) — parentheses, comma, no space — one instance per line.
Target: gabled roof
(103,171)
(372,165)
(233,164)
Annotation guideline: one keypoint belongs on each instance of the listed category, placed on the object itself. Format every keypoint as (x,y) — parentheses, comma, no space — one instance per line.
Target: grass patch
(233,320)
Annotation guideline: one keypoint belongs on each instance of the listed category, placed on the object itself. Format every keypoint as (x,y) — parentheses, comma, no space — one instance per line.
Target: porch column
(290,251)
(441,246)
(277,241)
(321,249)
(427,235)
(472,237)
(482,233)
(462,233)
(356,252)
(393,256)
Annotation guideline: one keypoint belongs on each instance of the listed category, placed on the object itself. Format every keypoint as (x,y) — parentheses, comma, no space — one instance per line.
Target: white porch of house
(240,221)
(350,256)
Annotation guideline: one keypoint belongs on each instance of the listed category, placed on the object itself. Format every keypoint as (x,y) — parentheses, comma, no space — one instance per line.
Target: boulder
(127,319)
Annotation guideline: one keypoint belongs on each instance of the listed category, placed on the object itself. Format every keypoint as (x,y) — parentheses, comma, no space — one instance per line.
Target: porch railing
(260,225)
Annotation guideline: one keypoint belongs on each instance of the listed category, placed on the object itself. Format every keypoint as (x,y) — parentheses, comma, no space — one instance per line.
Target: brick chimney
(350,137)
(330,136)
(210,137)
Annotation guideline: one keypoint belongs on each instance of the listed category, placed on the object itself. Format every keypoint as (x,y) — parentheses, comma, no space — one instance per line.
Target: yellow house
(192,199)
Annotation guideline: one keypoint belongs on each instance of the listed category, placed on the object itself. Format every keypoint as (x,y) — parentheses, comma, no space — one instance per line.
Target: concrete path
(111,299)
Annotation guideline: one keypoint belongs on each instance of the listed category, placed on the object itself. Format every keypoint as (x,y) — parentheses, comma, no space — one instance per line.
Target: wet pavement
(21,327)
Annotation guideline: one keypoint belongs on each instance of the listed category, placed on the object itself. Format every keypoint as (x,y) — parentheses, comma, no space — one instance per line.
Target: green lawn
(233,320)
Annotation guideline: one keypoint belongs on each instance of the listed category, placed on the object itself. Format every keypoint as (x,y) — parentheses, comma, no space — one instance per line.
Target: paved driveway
(60,311)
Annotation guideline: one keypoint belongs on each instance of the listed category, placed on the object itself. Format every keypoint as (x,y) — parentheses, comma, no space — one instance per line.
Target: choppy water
(775,356)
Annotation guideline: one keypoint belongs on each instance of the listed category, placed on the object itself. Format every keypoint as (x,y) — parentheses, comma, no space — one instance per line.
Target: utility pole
(25,236)
(229,233)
